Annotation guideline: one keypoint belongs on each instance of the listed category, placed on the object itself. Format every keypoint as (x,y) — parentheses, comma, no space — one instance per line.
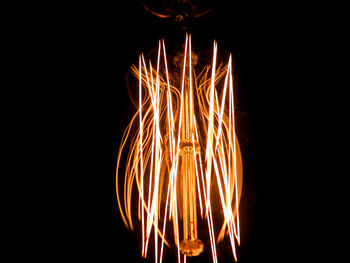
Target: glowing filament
(185,143)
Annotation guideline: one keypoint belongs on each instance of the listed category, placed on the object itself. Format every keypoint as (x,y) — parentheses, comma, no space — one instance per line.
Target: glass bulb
(184,155)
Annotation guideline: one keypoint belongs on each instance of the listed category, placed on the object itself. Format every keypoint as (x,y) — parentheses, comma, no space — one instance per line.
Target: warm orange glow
(185,151)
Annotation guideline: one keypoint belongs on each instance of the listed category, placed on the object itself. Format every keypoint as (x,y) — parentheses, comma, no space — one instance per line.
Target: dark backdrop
(98,45)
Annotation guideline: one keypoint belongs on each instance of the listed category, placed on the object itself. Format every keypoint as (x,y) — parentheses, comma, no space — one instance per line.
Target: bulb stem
(190,245)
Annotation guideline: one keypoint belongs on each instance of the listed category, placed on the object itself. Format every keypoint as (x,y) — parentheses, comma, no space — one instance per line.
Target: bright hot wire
(184,152)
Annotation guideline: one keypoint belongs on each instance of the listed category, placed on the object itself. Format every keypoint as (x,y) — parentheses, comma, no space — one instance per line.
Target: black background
(96,45)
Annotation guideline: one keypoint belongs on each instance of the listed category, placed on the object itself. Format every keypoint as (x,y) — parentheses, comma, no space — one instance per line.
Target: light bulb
(183,155)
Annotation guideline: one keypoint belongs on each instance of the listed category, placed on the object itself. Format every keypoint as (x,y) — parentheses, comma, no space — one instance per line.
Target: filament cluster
(181,149)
